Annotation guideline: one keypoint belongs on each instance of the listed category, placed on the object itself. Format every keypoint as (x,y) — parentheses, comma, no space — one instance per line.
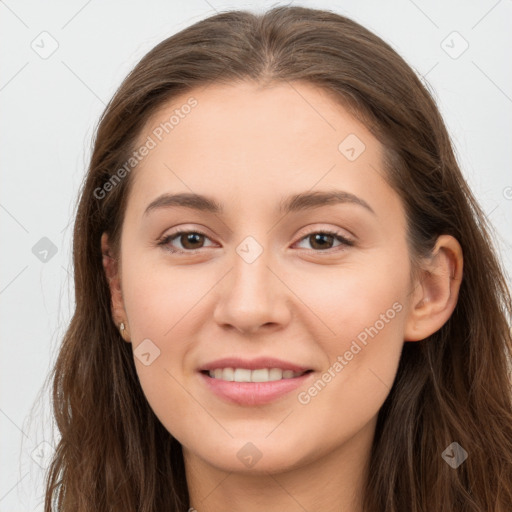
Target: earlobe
(436,291)
(111,268)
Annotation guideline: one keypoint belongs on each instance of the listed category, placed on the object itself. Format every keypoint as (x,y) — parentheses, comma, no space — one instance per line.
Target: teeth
(259,375)
(242,375)
(275,374)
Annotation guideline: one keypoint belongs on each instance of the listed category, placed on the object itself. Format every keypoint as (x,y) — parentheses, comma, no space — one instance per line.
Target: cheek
(361,364)
(157,298)
(361,333)
(159,305)
(344,301)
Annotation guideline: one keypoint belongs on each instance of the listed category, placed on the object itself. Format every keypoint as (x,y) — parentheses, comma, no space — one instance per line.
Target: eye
(190,241)
(321,241)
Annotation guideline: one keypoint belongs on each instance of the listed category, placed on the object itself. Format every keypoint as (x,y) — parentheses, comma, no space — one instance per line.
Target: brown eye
(323,240)
(190,241)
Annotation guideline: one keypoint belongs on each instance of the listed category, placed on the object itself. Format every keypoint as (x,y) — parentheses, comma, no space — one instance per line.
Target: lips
(250,388)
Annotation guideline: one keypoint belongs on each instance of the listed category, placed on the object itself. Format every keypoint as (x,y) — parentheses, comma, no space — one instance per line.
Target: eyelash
(165,241)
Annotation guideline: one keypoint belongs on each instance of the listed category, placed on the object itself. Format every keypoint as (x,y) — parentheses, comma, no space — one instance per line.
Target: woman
(286,294)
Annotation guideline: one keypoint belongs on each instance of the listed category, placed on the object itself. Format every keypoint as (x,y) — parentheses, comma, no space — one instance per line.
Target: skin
(247,147)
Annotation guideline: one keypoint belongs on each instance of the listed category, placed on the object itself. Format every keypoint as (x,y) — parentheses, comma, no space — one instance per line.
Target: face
(319,285)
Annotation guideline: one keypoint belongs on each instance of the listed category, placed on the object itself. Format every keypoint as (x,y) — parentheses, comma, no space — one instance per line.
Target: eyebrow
(294,203)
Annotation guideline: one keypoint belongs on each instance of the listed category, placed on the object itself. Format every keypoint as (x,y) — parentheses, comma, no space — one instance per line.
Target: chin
(253,457)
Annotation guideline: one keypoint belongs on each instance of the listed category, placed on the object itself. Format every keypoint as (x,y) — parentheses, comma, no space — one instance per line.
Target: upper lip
(253,364)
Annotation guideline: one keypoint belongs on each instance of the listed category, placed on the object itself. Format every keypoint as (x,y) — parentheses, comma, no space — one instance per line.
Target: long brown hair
(115,455)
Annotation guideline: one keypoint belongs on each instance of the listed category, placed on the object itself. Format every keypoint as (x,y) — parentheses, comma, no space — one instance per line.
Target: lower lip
(253,393)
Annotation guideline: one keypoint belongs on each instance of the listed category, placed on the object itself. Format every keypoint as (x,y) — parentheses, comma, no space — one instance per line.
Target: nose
(251,297)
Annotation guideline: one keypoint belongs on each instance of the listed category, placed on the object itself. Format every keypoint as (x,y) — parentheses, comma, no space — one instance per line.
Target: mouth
(253,387)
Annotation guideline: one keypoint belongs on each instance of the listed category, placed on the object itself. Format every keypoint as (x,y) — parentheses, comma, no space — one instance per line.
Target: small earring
(121,326)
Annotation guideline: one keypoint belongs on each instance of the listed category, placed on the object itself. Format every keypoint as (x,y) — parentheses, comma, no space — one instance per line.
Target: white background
(50,108)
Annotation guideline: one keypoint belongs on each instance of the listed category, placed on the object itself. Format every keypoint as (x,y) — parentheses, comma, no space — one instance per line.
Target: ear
(111,268)
(436,290)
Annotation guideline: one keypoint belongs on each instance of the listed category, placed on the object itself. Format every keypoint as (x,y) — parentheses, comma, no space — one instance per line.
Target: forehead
(238,116)
(246,144)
